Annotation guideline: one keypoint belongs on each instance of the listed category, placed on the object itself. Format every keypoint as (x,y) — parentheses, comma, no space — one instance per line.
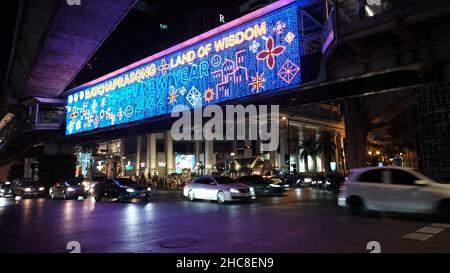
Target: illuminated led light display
(238,60)
(183,161)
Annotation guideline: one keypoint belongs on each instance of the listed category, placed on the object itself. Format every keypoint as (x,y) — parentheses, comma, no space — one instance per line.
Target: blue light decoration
(261,55)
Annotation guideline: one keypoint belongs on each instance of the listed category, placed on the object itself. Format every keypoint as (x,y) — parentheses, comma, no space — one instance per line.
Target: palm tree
(308,148)
(326,147)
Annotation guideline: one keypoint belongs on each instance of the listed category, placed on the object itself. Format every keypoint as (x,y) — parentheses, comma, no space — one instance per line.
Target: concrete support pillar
(248,152)
(355,134)
(122,157)
(302,165)
(138,154)
(283,146)
(342,153)
(318,166)
(151,154)
(197,149)
(170,162)
(209,156)
(27,172)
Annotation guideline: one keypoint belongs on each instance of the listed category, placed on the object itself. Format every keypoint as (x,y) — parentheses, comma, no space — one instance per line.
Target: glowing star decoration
(257,82)
(279,27)
(74,114)
(172,97)
(193,96)
(164,67)
(254,46)
(209,95)
(270,53)
(289,37)
(103,103)
(288,71)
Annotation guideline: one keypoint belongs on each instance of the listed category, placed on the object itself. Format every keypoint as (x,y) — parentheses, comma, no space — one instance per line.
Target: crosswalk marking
(418,236)
(440,225)
(430,230)
(427,232)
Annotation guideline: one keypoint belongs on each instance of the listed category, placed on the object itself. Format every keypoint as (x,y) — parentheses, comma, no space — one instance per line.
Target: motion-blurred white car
(219,188)
(394,189)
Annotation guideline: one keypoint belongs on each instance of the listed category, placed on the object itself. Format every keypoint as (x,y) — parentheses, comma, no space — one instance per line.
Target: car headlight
(70,189)
(41,188)
(275,185)
(2,191)
(27,189)
(86,186)
(252,189)
(234,191)
(130,190)
(149,189)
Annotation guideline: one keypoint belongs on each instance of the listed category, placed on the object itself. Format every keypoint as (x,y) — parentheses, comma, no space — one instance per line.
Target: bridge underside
(55,40)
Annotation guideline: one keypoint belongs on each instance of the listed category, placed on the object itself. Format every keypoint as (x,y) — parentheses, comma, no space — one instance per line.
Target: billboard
(183,161)
(239,59)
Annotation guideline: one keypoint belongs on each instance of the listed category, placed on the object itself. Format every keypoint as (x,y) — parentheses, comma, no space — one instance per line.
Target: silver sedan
(218,188)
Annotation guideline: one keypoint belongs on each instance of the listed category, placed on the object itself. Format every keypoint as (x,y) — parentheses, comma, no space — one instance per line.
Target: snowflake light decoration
(279,27)
(254,46)
(103,102)
(257,82)
(288,71)
(78,125)
(182,90)
(193,96)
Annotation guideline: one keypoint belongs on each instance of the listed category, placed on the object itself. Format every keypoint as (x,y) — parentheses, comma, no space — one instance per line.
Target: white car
(218,188)
(394,189)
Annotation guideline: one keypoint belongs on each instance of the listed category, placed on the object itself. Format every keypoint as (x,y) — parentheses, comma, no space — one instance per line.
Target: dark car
(69,189)
(120,188)
(261,185)
(27,188)
(5,189)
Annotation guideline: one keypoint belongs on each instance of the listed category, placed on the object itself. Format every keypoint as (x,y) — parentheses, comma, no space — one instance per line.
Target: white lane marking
(440,225)
(427,232)
(430,230)
(417,236)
